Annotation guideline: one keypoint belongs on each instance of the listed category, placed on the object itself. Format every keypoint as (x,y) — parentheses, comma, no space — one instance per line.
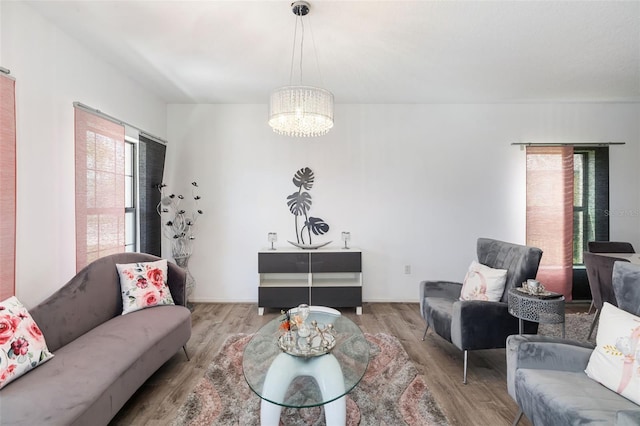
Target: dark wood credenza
(323,277)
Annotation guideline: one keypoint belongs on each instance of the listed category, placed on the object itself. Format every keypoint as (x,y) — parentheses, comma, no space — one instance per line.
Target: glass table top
(297,381)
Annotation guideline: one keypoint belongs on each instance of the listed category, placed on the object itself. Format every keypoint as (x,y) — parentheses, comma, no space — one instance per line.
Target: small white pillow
(22,344)
(615,362)
(144,285)
(483,283)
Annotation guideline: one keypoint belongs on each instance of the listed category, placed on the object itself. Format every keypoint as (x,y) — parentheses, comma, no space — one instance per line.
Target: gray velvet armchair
(546,375)
(477,324)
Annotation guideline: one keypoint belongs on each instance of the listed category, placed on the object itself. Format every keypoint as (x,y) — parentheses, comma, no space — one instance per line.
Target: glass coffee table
(284,380)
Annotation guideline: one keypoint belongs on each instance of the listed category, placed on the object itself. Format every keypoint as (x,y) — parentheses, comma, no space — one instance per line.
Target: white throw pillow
(144,285)
(483,283)
(615,362)
(22,344)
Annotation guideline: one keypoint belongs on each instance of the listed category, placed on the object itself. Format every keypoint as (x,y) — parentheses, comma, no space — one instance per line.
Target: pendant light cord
(301,47)
(293,50)
(315,51)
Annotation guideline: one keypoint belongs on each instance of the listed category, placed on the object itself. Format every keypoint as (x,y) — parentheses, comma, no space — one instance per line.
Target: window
(567,201)
(130,197)
(144,167)
(117,180)
(590,198)
(550,213)
(151,155)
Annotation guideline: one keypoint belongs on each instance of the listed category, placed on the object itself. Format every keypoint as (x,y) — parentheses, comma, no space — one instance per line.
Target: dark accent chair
(610,247)
(626,286)
(599,273)
(546,378)
(477,324)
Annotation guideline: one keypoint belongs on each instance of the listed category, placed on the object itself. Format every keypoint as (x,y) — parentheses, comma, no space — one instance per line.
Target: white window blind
(550,214)
(7,186)
(100,188)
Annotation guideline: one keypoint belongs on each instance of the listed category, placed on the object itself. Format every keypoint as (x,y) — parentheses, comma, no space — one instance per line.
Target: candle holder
(346,237)
(272,237)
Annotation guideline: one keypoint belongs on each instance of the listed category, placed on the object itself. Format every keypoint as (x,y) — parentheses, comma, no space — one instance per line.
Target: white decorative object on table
(309,246)
(346,237)
(272,237)
(304,339)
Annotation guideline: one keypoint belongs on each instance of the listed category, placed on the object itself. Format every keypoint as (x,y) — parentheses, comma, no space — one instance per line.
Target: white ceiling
(213,51)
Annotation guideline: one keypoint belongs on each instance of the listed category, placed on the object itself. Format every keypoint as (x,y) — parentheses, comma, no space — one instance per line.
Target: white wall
(52,71)
(414,184)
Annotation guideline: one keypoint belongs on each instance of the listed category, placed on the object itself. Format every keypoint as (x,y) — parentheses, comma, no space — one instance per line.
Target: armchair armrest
(628,418)
(544,353)
(445,289)
(177,282)
(480,324)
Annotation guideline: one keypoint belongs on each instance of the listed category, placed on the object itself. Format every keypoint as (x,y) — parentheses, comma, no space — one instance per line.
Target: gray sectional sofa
(100,356)
(546,375)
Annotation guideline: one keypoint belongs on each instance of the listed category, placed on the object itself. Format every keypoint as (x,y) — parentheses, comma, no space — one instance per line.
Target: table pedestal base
(324,369)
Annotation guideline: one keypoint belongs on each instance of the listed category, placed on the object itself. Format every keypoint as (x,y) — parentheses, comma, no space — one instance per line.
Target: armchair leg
(425,332)
(593,323)
(518,417)
(184,348)
(464,374)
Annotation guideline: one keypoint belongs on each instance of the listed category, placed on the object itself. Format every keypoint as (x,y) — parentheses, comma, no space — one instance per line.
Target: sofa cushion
(552,397)
(438,311)
(22,345)
(107,363)
(614,362)
(483,283)
(144,285)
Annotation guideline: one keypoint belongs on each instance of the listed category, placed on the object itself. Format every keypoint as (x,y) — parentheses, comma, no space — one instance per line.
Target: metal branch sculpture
(179,227)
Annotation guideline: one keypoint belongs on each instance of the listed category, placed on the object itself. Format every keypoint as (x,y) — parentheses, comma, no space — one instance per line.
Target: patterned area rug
(576,328)
(391,392)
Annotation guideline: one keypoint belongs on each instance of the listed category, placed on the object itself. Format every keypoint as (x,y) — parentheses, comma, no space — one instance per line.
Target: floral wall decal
(299,204)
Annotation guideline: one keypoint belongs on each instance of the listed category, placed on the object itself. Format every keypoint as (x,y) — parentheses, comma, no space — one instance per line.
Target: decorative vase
(183,262)
(303,327)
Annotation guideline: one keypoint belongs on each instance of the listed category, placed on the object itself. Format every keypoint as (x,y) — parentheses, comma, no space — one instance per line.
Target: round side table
(543,309)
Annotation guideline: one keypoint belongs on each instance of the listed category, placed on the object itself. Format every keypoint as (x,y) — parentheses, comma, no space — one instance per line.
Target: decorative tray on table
(314,345)
(545,294)
(305,339)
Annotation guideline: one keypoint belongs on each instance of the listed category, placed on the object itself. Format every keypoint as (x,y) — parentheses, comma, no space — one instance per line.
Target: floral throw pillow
(22,344)
(483,283)
(615,362)
(144,285)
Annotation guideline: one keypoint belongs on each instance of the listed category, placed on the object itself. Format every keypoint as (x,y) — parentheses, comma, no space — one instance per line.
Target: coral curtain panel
(7,186)
(550,214)
(100,196)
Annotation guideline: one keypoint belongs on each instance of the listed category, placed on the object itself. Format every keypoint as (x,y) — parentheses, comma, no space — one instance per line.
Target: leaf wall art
(299,203)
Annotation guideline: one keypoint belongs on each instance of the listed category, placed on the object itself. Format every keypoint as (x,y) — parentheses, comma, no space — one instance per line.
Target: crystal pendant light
(300,111)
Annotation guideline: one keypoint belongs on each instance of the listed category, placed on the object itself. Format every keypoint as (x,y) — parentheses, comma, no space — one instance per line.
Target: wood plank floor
(483,401)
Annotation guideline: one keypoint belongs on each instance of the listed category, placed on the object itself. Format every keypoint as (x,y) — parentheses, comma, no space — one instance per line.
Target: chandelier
(300,111)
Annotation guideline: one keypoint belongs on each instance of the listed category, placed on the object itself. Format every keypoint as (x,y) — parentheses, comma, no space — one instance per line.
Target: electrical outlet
(407,269)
